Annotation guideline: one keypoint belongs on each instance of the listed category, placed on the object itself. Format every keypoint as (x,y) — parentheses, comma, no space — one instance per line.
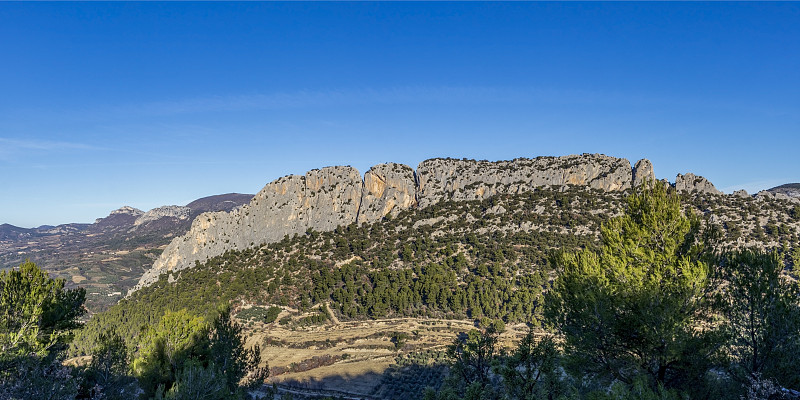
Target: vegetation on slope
(183,356)
(654,313)
(456,260)
(637,276)
(473,259)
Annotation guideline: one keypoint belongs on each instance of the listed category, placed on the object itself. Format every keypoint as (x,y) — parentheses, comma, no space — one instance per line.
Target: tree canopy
(638,304)
(762,313)
(36,316)
(37,312)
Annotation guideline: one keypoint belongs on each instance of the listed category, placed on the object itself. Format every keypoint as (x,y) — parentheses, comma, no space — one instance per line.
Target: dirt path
(333,316)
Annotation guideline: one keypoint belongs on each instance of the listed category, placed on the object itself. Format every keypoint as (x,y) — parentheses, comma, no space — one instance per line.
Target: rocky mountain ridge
(127,217)
(108,256)
(791,190)
(326,198)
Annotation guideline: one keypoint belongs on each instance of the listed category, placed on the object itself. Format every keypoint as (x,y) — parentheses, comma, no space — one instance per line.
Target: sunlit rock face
(691,182)
(643,172)
(326,198)
(449,179)
(322,199)
(388,189)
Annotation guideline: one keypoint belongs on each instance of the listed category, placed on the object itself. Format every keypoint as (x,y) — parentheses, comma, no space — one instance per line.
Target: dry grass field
(350,357)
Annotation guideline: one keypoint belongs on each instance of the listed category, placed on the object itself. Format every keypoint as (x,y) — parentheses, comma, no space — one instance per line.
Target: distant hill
(789,189)
(221,202)
(108,256)
(11,232)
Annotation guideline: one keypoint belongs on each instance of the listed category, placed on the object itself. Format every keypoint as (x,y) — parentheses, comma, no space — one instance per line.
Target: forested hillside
(457,260)
(542,258)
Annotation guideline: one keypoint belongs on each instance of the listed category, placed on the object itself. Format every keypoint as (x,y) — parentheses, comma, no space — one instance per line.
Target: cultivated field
(362,358)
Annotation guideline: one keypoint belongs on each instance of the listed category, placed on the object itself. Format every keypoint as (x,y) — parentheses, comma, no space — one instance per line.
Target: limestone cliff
(643,172)
(790,190)
(322,199)
(388,189)
(458,180)
(325,198)
(157,213)
(691,182)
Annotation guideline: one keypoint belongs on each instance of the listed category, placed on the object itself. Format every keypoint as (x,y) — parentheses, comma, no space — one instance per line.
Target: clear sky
(148,104)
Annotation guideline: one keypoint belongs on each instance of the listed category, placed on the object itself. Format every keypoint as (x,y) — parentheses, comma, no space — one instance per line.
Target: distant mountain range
(109,255)
(789,189)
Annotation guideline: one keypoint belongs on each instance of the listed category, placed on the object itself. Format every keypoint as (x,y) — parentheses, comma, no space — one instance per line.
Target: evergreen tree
(107,374)
(36,312)
(531,371)
(166,347)
(36,315)
(197,382)
(763,318)
(638,305)
(471,356)
(227,352)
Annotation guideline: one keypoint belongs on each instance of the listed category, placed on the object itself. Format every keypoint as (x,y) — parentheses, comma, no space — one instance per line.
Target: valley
(109,256)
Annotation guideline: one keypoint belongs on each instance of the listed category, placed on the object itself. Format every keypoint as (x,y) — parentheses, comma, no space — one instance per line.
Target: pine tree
(638,305)
(36,316)
(762,318)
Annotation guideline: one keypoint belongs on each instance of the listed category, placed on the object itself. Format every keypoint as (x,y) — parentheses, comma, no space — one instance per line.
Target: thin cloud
(12,148)
(401,95)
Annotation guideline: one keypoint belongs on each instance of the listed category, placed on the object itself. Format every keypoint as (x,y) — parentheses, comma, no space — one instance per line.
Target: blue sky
(149,104)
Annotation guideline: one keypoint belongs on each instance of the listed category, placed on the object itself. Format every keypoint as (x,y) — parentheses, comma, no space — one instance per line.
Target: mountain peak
(127,210)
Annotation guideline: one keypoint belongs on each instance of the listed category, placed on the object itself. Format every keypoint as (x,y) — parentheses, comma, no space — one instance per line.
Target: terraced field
(385,358)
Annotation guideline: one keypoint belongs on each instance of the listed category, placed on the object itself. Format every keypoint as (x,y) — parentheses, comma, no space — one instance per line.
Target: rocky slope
(789,190)
(108,256)
(329,197)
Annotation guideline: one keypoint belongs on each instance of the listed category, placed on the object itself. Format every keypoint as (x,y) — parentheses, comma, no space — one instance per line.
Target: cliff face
(643,172)
(691,182)
(789,190)
(388,189)
(458,180)
(329,197)
(321,199)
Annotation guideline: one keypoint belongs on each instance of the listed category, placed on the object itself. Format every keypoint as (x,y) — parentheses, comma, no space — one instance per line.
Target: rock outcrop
(121,217)
(643,172)
(388,189)
(769,194)
(321,200)
(157,213)
(127,210)
(691,183)
(337,196)
(459,180)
